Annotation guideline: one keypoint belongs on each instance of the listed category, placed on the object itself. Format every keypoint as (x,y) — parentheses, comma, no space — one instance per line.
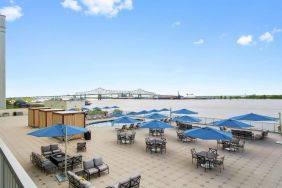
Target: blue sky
(204,47)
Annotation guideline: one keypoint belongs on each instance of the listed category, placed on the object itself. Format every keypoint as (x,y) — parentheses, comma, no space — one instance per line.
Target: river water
(206,108)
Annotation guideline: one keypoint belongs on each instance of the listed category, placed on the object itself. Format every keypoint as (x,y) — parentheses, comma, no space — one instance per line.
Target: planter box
(46,117)
(33,116)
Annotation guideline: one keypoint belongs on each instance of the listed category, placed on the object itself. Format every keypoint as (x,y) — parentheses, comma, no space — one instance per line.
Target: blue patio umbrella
(164,110)
(184,111)
(72,109)
(155,116)
(59,130)
(153,111)
(187,119)
(107,107)
(155,124)
(142,112)
(125,120)
(118,115)
(254,117)
(207,133)
(84,109)
(115,107)
(96,108)
(231,123)
(131,113)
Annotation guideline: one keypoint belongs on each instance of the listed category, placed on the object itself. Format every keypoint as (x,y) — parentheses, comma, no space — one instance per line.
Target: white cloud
(245,40)
(266,37)
(176,24)
(276,30)
(106,7)
(198,42)
(12,12)
(71,4)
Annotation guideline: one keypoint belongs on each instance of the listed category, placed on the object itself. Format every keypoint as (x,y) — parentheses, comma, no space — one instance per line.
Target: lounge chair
(100,165)
(81,146)
(89,168)
(76,182)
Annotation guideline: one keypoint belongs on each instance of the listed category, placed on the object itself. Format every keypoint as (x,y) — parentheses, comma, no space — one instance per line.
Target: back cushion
(45,148)
(88,164)
(98,161)
(54,146)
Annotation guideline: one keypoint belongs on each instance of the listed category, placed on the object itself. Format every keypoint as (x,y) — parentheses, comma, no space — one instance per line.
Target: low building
(65,104)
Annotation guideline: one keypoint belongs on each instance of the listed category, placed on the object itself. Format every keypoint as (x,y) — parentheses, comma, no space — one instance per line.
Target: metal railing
(12,174)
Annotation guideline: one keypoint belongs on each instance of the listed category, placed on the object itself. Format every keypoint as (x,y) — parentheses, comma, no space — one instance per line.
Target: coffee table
(58,158)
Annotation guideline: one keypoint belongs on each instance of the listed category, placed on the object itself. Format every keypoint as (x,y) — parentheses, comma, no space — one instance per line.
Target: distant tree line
(251,97)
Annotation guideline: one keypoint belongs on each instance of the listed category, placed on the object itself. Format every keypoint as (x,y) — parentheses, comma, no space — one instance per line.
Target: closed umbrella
(85,109)
(59,130)
(107,107)
(207,133)
(184,111)
(164,110)
(187,119)
(115,107)
(153,111)
(231,123)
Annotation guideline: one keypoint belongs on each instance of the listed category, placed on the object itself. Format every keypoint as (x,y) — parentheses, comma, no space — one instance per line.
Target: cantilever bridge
(105,93)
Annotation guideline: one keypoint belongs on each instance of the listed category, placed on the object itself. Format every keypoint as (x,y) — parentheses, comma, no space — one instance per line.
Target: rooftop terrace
(258,166)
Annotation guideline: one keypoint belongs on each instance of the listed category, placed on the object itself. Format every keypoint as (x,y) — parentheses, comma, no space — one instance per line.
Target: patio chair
(132,137)
(100,165)
(135,181)
(76,161)
(163,147)
(131,126)
(81,146)
(89,168)
(201,161)
(194,154)
(61,165)
(46,151)
(219,163)
(149,146)
(218,143)
(213,151)
(55,148)
(119,138)
(241,145)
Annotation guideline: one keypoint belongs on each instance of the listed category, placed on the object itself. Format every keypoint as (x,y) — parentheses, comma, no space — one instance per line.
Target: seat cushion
(88,164)
(56,151)
(102,167)
(98,161)
(93,170)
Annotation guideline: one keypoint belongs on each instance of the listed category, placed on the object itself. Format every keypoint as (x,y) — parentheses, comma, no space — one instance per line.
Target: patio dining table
(125,137)
(209,157)
(156,144)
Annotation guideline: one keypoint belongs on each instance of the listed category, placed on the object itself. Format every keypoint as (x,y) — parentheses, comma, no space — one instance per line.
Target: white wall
(2,63)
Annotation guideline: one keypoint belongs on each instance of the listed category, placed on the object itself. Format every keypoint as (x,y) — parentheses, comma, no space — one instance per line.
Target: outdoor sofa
(78,182)
(132,182)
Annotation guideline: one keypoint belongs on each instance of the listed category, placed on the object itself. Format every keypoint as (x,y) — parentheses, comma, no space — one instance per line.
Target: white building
(2,63)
